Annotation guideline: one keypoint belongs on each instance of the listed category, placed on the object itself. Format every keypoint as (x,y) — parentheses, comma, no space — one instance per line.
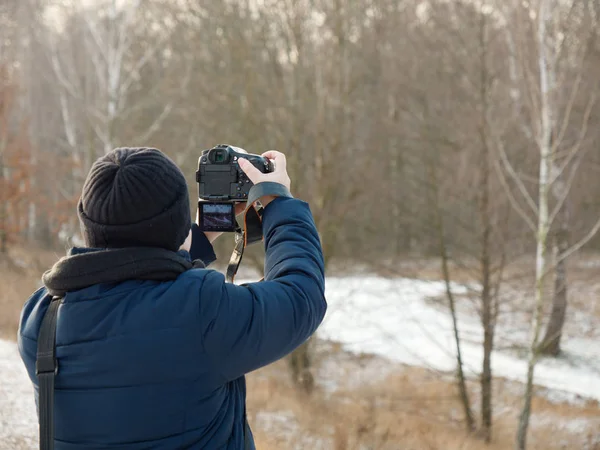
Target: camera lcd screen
(217,216)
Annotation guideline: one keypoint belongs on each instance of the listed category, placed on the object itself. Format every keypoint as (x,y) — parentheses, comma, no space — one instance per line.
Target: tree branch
(565,189)
(511,171)
(588,237)
(568,110)
(155,124)
(582,133)
(513,201)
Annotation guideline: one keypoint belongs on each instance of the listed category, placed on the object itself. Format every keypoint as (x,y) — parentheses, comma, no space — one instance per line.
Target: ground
(384,362)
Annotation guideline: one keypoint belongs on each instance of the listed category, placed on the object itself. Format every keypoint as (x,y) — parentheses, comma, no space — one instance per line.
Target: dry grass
(17,286)
(20,275)
(411,409)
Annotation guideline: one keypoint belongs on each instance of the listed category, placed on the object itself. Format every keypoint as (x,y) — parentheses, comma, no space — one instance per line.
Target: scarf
(80,270)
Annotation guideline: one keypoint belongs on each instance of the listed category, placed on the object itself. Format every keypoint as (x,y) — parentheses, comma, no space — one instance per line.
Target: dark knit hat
(135,197)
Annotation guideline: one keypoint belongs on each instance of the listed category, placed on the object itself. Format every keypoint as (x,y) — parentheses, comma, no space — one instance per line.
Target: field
(383,369)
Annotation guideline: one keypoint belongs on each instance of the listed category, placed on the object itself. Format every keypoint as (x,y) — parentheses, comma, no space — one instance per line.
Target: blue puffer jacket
(160,365)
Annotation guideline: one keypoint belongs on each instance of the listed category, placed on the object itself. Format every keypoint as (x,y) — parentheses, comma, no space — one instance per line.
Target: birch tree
(100,61)
(544,144)
(559,51)
(569,147)
(109,35)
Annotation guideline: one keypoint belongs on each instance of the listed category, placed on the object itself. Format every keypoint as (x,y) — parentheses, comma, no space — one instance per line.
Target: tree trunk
(462,384)
(443,251)
(3,234)
(300,364)
(486,375)
(394,173)
(545,147)
(487,316)
(551,343)
(3,201)
(536,326)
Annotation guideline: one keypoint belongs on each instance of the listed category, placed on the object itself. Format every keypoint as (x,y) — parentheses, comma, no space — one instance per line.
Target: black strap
(46,368)
(267,188)
(252,231)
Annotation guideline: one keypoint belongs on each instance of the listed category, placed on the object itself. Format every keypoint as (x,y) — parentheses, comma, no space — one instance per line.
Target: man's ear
(187,243)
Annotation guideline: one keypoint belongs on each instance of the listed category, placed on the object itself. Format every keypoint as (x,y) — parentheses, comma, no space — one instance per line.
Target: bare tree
(557,39)
(445,263)
(462,40)
(569,152)
(100,61)
(15,167)
(543,225)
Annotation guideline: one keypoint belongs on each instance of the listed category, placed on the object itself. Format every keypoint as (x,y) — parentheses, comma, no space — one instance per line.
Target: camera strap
(244,237)
(252,231)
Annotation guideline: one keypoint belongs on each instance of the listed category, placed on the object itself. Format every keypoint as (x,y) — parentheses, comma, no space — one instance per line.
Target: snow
(285,424)
(18,428)
(392,318)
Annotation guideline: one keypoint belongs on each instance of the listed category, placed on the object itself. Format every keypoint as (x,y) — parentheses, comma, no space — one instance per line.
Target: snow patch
(390,317)
(18,425)
(283,425)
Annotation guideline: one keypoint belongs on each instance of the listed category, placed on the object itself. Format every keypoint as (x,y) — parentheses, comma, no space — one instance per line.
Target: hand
(279,175)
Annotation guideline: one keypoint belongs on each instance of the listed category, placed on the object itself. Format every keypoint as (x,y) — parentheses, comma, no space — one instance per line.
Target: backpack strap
(46,368)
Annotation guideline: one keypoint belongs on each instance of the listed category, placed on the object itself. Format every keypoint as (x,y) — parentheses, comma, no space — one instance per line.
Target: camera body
(222,183)
(220,177)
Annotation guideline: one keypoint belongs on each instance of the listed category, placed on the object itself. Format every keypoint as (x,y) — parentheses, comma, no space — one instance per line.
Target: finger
(253,173)
(273,154)
(278,158)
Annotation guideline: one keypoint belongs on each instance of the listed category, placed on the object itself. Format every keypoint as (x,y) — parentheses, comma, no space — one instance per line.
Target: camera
(222,184)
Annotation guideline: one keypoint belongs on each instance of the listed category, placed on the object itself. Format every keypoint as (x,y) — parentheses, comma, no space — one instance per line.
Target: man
(152,360)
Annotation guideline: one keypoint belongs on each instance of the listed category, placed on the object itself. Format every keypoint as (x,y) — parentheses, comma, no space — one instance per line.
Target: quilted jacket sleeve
(249,326)
(201,247)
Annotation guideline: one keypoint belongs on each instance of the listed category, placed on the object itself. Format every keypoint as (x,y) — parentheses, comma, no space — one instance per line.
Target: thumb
(253,173)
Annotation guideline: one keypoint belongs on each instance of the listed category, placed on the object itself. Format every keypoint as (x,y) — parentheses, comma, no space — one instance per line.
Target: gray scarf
(80,270)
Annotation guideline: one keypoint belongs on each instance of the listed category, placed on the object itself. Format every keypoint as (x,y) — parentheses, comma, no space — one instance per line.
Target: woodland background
(457,134)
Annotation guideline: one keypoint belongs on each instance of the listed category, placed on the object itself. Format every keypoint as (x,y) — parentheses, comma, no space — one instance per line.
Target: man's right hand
(279,174)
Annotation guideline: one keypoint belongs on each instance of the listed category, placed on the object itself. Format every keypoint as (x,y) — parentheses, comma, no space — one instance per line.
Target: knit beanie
(135,197)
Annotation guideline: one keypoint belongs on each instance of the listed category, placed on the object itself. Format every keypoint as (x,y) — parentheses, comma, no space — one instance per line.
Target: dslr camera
(222,184)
